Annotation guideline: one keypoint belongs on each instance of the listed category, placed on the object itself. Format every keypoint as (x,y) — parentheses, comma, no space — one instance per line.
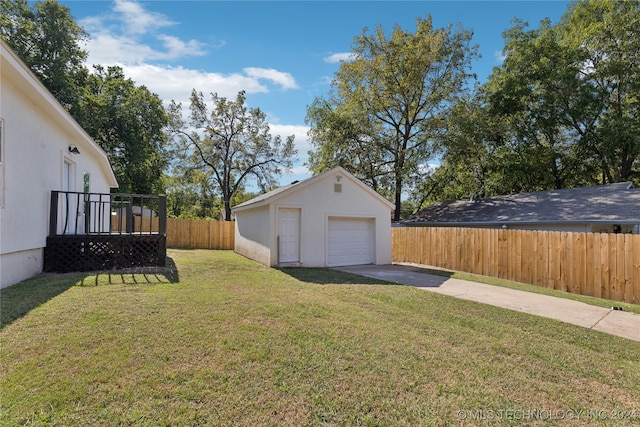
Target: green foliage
(560,112)
(128,122)
(389,103)
(230,143)
(46,37)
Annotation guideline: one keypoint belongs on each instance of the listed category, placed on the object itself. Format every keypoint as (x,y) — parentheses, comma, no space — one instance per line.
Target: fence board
(613,267)
(606,265)
(628,268)
(601,265)
(619,279)
(554,260)
(200,234)
(635,255)
(596,270)
(563,261)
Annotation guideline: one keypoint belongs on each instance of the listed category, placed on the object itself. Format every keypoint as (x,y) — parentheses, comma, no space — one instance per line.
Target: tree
(392,99)
(230,143)
(46,37)
(569,93)
(128,122)
(607,33)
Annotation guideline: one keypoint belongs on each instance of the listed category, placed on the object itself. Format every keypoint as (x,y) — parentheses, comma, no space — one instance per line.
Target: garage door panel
(350,241)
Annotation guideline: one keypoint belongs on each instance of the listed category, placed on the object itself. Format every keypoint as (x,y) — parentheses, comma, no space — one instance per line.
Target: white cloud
(137,20)
(285,80)
(126,36)
(130,37)
(337,57)
(301,142)
(137,40)
(500,56)
(177,82)
(299,132)
(176,48)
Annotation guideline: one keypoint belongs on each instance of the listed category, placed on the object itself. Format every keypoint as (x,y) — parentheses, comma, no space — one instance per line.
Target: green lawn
(225,341)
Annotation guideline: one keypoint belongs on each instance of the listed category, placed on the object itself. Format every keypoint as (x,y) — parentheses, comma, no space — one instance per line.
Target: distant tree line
(405,115)
(561,111)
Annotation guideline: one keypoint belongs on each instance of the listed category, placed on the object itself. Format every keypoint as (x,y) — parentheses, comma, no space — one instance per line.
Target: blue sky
(283,54)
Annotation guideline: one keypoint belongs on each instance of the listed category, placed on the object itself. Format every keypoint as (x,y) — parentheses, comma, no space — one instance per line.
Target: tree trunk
(227,208)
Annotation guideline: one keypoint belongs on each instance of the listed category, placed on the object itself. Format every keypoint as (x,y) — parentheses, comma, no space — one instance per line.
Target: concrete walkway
(615,322)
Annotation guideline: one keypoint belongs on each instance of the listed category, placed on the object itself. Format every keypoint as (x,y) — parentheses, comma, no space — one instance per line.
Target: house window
(337,188)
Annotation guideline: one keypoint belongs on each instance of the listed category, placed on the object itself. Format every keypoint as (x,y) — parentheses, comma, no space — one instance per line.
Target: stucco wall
(320,201)
(317,202)
(35,148)
(18,266)
(252,234)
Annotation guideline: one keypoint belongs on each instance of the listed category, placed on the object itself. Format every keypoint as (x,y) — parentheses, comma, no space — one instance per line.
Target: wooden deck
(94,231)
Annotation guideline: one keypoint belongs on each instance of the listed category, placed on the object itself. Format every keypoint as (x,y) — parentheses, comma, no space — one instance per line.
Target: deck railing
(98,231)
(77,213)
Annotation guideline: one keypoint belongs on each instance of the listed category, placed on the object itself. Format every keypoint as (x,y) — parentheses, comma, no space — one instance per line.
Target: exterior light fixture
(73,149)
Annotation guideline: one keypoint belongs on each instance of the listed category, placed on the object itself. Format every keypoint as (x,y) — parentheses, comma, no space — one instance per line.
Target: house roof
(613,203)
(271,196)
(18,72)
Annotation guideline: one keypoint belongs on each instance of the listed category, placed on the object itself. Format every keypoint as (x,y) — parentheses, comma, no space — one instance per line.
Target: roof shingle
(618,202)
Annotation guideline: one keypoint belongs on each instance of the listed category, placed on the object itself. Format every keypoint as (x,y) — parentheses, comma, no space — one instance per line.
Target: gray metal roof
(612,203)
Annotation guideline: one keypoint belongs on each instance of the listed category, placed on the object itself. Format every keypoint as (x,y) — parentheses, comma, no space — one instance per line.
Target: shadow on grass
(134,276)
(327,276)
(18,300)
(21,298)
(373,274)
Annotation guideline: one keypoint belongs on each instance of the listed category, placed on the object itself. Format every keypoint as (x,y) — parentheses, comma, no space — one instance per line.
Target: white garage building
(329,220)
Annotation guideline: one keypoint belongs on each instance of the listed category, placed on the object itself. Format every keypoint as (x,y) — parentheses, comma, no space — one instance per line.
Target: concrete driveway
(608,320)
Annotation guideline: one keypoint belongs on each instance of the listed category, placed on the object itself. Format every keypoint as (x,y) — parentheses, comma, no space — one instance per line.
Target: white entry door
(289,234)
(350,241)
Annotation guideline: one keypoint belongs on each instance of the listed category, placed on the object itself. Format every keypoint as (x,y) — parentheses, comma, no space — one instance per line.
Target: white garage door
(351,241)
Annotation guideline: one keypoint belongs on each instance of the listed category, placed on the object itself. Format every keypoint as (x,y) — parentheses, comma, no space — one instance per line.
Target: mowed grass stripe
(225,341)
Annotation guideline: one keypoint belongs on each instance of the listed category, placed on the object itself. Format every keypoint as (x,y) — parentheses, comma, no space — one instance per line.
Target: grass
(225,341)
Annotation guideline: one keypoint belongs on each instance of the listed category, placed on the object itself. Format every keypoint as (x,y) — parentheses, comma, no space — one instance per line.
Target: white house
(42,148)
(332,219)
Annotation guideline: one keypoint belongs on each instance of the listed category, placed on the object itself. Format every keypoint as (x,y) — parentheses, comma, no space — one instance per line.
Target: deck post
(53,214)
(162,215)
(129,216)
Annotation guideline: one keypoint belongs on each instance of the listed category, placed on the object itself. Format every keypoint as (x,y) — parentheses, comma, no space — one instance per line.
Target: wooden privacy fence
(595,264)
(188,233)
(200,234)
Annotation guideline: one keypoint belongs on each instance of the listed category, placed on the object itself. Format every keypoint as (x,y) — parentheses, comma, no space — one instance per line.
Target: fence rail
(190,233)
(594,264)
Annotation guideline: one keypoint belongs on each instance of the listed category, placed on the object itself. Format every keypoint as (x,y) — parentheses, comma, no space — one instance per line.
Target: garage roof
(276,194)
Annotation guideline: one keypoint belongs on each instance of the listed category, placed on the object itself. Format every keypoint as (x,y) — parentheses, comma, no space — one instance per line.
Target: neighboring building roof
(18,72)
(613,203)
(271,196)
